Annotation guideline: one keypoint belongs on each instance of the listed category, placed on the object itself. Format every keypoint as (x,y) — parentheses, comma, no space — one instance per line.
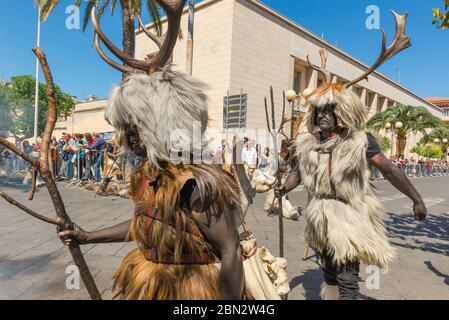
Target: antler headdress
(400,42)
(349,109)
(173,9)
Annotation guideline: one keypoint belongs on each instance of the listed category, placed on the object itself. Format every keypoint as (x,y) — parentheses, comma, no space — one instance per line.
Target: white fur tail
(329,292)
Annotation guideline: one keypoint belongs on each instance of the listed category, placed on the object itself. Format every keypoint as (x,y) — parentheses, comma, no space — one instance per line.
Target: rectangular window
(234,111)
(297,81)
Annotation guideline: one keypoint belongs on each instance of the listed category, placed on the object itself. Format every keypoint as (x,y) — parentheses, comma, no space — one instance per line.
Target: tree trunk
(401,142)
(128,25)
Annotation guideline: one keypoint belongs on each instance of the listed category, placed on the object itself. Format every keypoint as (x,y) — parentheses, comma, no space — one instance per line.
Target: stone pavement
(33,261)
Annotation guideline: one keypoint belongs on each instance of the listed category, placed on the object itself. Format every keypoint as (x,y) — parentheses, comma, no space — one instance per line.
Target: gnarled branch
(20,153)
(46,175)
(56,222)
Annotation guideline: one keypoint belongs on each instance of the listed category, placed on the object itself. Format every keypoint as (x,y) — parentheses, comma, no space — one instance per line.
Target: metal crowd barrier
(418,170)
(81,170)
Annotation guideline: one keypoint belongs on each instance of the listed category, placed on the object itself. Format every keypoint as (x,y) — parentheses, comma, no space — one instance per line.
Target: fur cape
(349,225)
(138,278)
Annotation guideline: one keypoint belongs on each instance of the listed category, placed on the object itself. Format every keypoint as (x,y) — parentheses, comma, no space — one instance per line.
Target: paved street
(33,261)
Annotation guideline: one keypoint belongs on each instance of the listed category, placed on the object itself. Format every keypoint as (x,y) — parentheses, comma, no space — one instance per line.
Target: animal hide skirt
(140,279)
(349,232)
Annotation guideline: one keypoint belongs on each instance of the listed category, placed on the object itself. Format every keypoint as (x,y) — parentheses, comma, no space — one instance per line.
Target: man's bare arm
(401,182)
(222,233)
(293,180)
(117,233)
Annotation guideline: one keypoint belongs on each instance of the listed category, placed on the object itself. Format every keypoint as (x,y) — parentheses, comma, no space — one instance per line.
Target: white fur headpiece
(349,109)
(165,106)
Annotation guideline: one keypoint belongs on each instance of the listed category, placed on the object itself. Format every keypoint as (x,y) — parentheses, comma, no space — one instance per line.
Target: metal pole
(189,62)
(392,141)
(227,114)
(36,95)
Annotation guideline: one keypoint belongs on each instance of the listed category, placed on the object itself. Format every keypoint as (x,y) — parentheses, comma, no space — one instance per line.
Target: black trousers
(345,276)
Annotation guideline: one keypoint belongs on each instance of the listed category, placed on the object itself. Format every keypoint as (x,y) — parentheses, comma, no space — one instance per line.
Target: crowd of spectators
(416,168)
(258,158)
(79,156)
(252,154)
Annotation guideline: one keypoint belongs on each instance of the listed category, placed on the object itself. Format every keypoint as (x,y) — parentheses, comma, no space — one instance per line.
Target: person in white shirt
(249,154)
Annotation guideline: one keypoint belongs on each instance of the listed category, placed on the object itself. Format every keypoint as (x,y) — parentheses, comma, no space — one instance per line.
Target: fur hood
(169,109)
(349,109)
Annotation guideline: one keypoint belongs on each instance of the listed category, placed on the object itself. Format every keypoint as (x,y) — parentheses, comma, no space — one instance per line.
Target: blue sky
(78,69)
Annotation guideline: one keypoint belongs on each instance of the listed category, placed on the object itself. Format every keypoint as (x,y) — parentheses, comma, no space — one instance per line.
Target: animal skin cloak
(344,216)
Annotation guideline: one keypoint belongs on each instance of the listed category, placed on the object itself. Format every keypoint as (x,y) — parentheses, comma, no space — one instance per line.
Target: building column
(292,72)
(363,97)
(312,79)
(385,104)
(373,105)
(334,79)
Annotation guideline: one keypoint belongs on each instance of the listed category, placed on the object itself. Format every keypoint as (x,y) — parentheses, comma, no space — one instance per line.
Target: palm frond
(414,119)
(155,15)
(113,6)
(89,7)
(47,7)
(102,8)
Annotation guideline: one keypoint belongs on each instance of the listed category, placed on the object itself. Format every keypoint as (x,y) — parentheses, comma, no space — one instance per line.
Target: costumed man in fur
(344,216)
(186,215)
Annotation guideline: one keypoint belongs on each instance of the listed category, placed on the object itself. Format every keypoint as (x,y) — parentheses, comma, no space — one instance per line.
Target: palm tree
(404,120)
(439,136)
(129,10)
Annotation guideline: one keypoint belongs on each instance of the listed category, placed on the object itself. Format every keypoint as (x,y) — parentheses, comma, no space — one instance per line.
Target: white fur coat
(352,229)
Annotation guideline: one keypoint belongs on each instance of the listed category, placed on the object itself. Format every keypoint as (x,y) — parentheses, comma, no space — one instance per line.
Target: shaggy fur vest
(344,216)
(144,278)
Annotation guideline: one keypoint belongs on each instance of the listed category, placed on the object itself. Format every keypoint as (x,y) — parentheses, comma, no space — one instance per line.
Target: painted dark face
(325,117)
(134,142)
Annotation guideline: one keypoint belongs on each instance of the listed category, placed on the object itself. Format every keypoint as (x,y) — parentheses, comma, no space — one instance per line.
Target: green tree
(441,17)
(20,99)
(384,142)
(5,110)
(404,120)
(439,136)
(129,10)
(429,150)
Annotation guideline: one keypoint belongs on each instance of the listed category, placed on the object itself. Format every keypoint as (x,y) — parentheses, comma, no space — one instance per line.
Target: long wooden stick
(274,134)
(20,153)
(34,171)
(46,175)
(279,175)
(34,164)
(56,222)
(106,180)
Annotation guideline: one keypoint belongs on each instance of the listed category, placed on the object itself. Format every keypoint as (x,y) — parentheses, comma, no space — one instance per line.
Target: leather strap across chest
(332,185)
(151,213)
(333,194)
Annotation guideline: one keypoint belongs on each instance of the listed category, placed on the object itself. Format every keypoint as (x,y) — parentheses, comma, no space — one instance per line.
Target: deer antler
(156,39)
(173,9)
(400,42)
(322,69)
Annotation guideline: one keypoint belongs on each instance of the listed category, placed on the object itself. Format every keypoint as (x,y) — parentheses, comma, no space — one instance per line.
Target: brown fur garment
(138,278)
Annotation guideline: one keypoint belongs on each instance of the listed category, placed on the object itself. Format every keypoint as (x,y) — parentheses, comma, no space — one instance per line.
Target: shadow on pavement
(311,280)
(11,267)
(437,272)
(404,232)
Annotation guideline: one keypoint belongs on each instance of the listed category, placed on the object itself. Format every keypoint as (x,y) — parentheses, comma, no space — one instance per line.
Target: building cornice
(324,43)
(328,45)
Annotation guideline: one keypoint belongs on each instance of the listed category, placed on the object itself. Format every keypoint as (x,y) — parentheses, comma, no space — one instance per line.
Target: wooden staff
(274,135)
(63,220)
